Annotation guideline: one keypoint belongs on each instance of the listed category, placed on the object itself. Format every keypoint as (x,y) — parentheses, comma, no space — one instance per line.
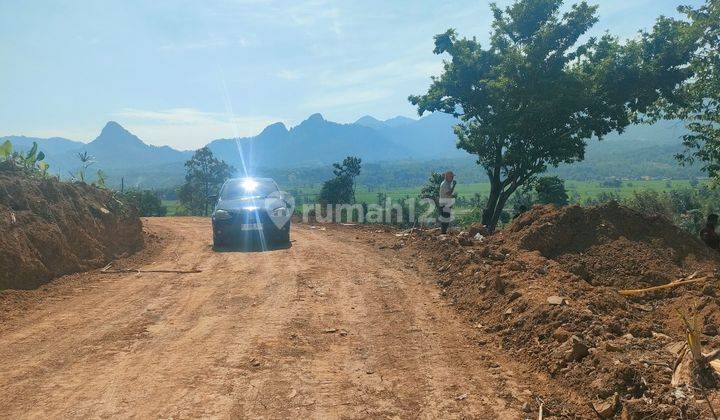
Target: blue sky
(185,72)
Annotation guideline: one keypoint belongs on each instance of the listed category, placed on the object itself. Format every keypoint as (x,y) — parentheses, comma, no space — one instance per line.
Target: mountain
(373,122)
(430,137)
(397,151)
(116,151)
(116,147)
(317,141)
(51,146)
(314,141)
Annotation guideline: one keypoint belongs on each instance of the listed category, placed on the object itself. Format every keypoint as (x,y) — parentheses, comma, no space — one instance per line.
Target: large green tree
(535,95)
(341,189)
(204,174)
(698,101)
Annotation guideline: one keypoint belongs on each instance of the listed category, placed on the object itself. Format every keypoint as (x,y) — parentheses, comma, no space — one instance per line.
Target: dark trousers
(445,213)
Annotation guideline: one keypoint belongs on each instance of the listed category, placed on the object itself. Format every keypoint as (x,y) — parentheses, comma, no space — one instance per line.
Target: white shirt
(446,189)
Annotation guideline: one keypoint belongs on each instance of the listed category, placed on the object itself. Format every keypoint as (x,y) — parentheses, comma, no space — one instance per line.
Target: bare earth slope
(50,228)
(334,326)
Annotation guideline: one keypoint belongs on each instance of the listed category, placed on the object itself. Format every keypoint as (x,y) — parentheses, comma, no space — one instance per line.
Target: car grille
(248,216)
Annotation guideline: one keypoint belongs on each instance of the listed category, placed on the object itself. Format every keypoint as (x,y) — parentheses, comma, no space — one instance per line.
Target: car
(251,211)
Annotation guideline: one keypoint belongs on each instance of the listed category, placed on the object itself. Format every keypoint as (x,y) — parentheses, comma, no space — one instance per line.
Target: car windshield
(244,188)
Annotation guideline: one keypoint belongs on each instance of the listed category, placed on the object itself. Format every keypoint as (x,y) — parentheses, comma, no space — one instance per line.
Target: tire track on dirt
(330,327)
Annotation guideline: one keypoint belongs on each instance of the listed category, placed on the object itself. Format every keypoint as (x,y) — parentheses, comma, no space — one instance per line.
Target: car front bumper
(248,227)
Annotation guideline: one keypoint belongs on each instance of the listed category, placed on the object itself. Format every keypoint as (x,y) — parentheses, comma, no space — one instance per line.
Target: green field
(578,190)
(583,189)
(172,206)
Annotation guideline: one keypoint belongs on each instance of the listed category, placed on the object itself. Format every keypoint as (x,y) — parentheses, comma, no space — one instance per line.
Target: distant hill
(314,141)
(51,146)
(116,151)
(399,151)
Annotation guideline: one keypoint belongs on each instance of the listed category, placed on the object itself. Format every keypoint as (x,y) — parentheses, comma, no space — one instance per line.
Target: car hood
(250,203)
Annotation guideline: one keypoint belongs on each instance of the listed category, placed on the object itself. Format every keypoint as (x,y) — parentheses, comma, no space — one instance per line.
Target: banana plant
(101,177)
(43,167)
(6,150)
(31,158)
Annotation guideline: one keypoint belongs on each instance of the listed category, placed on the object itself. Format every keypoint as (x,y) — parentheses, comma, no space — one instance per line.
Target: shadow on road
(253,247)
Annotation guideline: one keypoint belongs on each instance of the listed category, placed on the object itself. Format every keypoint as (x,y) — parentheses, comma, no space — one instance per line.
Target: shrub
(147,202)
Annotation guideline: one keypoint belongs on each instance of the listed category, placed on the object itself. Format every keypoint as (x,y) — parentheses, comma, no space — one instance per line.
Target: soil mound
(610,245)
(547,287)
(51,228)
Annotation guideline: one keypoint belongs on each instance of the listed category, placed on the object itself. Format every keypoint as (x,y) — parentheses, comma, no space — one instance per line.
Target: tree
(203,178)
(551,190)
(350,168)
(698,100)
(431,189)
(536,94)
(147,202)
(338,190)
(341,189)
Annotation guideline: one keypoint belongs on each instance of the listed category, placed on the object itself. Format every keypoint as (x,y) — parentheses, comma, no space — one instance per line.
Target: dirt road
(332,327)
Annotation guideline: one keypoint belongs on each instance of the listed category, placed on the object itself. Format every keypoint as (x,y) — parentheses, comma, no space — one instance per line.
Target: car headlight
(222,215)
(280,212)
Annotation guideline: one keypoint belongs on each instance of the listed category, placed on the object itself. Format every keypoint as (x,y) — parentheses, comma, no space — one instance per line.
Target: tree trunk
(496,203)
(491,206)
(499,207)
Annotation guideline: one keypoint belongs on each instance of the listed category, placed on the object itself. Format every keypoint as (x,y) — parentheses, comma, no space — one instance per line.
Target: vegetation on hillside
(31,161)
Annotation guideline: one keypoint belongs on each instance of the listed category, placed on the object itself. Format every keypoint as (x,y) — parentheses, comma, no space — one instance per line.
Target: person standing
(446,200)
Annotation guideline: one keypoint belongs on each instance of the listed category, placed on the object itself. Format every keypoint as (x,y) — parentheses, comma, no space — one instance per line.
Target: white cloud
(189,128)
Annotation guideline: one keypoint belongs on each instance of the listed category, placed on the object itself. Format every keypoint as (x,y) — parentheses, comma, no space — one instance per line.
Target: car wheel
(216,243)
(285,235)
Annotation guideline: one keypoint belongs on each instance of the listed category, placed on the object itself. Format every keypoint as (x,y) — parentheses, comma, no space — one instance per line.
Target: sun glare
(249,185)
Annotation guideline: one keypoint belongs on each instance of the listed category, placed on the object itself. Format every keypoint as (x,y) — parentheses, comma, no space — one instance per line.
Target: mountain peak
(276,128)
(371,122)
(399,121)
(313,121)
(316,117)
(367,118)
(111,126)
(115,134)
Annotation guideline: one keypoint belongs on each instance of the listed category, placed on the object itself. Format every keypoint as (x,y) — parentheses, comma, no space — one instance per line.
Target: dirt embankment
(547,288)
(50,228)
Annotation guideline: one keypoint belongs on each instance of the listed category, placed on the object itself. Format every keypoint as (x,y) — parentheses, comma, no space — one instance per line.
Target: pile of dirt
(51,228)
(610,245)
(547,288)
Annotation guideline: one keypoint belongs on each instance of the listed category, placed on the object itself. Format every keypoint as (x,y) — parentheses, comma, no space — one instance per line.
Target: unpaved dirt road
(332,327)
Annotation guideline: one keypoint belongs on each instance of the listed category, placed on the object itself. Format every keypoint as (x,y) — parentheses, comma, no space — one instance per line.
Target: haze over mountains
(317,143)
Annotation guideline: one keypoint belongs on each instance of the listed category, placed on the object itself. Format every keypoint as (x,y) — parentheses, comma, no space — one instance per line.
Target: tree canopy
(535,95)
(341,189)
(204,176)
(698,101)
